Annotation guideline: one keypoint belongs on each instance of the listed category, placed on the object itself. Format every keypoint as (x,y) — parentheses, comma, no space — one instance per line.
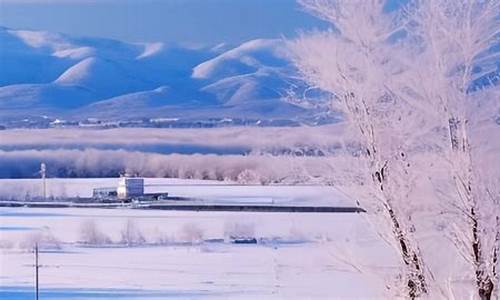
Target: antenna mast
(44,183)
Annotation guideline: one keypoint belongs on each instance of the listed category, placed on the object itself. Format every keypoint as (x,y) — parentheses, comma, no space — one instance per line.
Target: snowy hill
(247,58)
(77,78)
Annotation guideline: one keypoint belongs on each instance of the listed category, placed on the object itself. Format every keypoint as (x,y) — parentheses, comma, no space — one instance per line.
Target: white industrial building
(130,187)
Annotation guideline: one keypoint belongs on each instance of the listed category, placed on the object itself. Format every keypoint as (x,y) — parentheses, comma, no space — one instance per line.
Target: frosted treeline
(417,87)
(253,169)
(256,155)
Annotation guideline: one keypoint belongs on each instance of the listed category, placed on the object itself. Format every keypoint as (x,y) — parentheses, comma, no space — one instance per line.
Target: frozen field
(188,255)
(208,191)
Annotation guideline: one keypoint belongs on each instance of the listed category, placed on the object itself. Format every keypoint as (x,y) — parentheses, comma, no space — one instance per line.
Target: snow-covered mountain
(77,78)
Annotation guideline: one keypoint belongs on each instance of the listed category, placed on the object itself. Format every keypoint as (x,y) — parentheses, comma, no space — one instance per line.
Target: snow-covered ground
(203,190)
(188,254)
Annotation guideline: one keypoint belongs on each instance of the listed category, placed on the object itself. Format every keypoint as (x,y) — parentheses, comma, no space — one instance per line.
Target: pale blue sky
(192,22)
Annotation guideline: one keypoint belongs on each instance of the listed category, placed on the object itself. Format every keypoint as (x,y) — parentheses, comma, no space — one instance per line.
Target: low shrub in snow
(132,235)
(44,239)
(191,233)
(90,234)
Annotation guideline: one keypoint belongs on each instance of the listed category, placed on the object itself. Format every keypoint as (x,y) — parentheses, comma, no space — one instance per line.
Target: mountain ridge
(84,77)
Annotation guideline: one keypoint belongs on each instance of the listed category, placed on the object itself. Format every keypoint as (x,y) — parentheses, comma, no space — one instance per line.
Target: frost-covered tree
(355,65)
(404,80)
(458,40)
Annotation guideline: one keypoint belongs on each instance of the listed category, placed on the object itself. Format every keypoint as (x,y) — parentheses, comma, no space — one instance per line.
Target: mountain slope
(48,97)
(105,78)
(78,77)
(247,58)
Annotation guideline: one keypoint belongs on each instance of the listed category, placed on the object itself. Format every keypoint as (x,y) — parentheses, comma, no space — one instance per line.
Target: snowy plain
(187,255)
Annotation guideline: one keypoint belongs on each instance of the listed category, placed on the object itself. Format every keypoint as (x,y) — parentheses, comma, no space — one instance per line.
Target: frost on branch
(460,37)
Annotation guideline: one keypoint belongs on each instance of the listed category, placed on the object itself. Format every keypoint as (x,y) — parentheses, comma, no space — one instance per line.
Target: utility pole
(36,271)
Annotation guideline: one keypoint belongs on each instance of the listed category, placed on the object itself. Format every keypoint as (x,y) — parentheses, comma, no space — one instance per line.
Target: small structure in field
(242,240)
(104,193)
(130,187)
